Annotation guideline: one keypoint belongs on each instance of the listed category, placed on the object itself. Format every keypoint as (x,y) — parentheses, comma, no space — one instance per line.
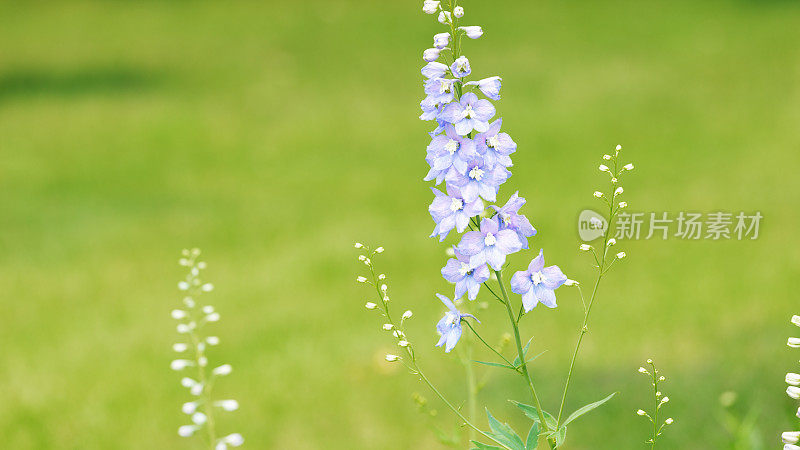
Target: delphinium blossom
(192,319)
(470,153)
(659,400)
(792,438)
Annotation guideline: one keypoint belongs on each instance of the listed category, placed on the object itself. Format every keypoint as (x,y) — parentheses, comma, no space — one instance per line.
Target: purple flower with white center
(440,90)
(449,327)
(510,218)
(440,40)
(434,70)
(449,152)
(538,283)
(468,279)
(495,147)
(472,32)
(460,67)
(469,114)
(478,180)
(451,211)
(489,86)
(490,245)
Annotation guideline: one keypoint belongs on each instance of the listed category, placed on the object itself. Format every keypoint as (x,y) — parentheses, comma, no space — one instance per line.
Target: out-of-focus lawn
(273,135)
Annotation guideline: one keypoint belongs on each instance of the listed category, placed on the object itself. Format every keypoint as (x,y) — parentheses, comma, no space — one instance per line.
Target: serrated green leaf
(533,437)
(504,433)
(494,364)
(482,446)
(587,408)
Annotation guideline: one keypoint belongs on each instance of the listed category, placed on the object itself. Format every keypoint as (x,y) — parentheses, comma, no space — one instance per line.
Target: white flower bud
(222,370)
(379,250)
(208,287)
(370,305)
(202,361)
(665,400)
(798,413)
(199,418)
(407,315)
(362,257)
(473,32)
(197,389)
(213,317)
(607,157)
(392,358)
(187,382)
(189,407)
(184,286)
(649,361)
(388,326)
(796,320)
(180,347)
(623,204)
(382,276)
(621,255)
(384,288)
(429,7)
(618,191)
(358,245)
(628,166)
(598,194)
(189,302)
(793,391)
(793,379)
(178,314)
(445,17)
(603,168)
(201,265)
(641,412)
(585,247)
(619,147)
(643,370)
(793,342)
(180,364)
(234,439)
(403,343)
(361,280)
(669,421)
(208,309)
(187,430)
(227,405)
(458,11)
(571,283)
(449,251)
(790,437)
(611,242)
(661,378)
(614,180)
(212,340)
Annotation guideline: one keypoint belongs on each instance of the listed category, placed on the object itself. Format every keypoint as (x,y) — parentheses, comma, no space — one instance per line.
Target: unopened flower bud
(379,250)
(598,194)
(623,204)
(603,168)
(178,314)
(611,242)
(358,245)
(796,320)
(585,247)
(628,166)
(669,421)
(621,255)
(227,405)
(208,287)
(392,358)
(641,412)
(180,347)
(571,283)
(790,437)
(445,17)
(793,391)
(361,279)
(431,54)
(370,305)
(407,314)
(619,147)
(212,340)
(649,361)
(618,191)
(458,11)
(403,343)
(793,379)
(440,40)
(388,326)
(384,288)
(222,370)
(180,364)
(187,430)
(643,370)
(793,342)
(430,6)
(607,157)
(473,32)
(382,276)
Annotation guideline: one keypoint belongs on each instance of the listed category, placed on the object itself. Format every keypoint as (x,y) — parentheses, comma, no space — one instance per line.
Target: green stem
(521,354)
(472,391)
(488,346)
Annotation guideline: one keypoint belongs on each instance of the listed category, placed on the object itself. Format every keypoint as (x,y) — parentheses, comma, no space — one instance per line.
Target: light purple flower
(490,245)
(538,283)
(448,153)
(430,108)
(440,90)
(434,70)
(451,211)
(495,147)
(472,32)
(431,54)
(510,218)
(478,180)
(469,114)
(468,279)
(440,40)
(460,67)
(449,327)
(489,86)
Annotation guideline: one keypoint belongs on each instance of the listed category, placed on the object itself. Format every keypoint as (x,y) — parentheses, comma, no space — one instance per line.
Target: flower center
(493,142)
(489,240)
(506,218)
(476,173)
(451,146)
(465,269)
(461,66)
(537,278)
(456,204)
(452,319)
(468,112)
(445,87)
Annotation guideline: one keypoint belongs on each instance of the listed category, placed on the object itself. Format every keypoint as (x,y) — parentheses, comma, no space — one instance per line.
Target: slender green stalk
(472,390)
(489,346)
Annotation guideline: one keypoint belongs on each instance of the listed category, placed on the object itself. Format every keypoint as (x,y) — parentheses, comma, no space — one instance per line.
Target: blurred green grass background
(275,134)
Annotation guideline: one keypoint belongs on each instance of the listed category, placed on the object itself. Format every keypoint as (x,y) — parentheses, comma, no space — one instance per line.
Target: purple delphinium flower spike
(489,86)
(460,67)
(468,279)
(449,327)
(538,283)
(494,146)
(451,211)
(478,180)
(510,218)
(440,90)
(469,114)
(490,245)
(447,153)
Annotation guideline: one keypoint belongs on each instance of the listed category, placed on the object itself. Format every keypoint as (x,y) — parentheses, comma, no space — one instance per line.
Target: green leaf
(481,446)
(533,414)
(494,364)
(517,362)
(504,433)
(533,437)
(587,408)
(540,354)
(561,436)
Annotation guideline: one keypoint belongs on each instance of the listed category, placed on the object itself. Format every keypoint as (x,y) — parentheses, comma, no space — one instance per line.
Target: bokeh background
(275,134)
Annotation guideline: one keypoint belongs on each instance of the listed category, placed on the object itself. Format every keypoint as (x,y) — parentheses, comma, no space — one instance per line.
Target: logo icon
(591,225)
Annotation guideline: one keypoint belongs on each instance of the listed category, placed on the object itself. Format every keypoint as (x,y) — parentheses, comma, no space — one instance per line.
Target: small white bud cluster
(660,399)
(791,438)
(191,323)
(611,166)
